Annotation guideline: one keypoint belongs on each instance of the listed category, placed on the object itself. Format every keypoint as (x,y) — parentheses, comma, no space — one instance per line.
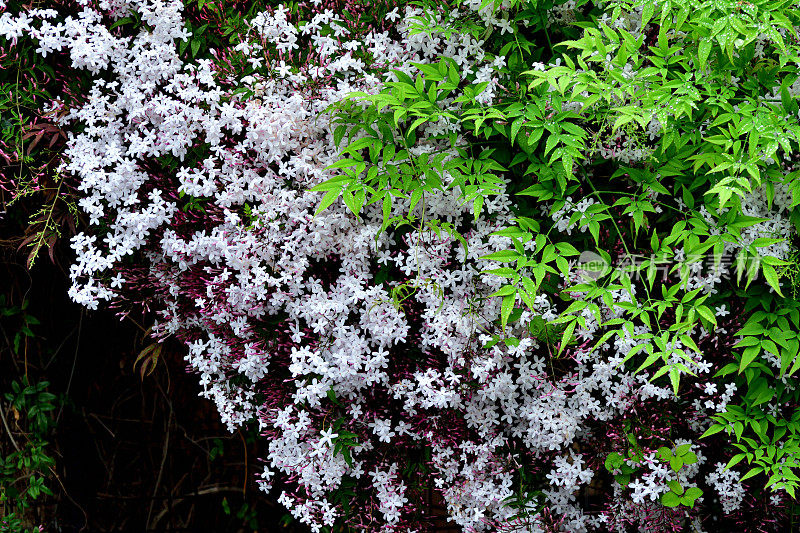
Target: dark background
(132,452)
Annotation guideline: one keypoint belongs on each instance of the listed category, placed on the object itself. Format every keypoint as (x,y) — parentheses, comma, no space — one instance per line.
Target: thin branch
(72,371)
(164,454)
(8,430)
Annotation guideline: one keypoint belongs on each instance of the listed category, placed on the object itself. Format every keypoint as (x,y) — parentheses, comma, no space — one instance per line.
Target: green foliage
(677,459)
(720,142)
(24,469)
(26,419)
(23,331)
(715,80)
(625,465)
(344,441)
(678,496)
(379,165)
(29,145)
(246,514)
(45,225)
(724,163)
(616,464)
(767,437)
(527,502)
(682,455)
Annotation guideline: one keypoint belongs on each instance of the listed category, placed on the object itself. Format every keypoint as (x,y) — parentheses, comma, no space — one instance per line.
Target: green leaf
(623,479)
(332,397)
(692,493)
(506,307)
(675,487)
(613,461)
(736,459)
(752,472)
(566,337)
(515,126)
(713,430)
(703,51)
(502,272)
(683,449)
(452,75)
(120,22)
(647,13)
(748,356)
(674,378)
(670,499)
(552,140)
(706,313)
(354,202)
(772,278)
(343,163)
(505,290)
(503,256)
(477,206)
(327,200)
(195,46)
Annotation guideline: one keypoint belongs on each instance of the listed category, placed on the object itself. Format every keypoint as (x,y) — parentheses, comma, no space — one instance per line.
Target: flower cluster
(372,354)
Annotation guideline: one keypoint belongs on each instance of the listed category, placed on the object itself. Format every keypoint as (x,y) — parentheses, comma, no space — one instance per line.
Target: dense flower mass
(377,226)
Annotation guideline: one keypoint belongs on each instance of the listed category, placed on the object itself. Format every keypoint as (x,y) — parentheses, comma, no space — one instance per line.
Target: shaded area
(131,453)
